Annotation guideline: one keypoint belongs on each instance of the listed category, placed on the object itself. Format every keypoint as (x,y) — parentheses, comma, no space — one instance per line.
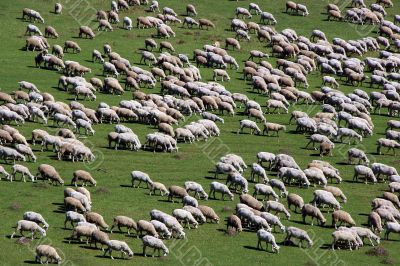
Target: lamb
(358,154)
(268,238)
(17,168)
(361,170)
(97,219)
(209,213)
(185,216)
(118,246)
(298,233)
(343,217)
(277,207)
(219,187)
(296,200)
(24,225)
(348,237)
(84,177)
(141,177)
(48,252)
(249,124)
(73,217)
(234,222)
(387,143)
(48,172)
(158,186)
(314,212)
(273,127)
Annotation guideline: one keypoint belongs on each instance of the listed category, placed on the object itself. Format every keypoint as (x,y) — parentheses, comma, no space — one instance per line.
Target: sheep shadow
(128,186)
(165,200)
(116,256)
(89,247)
(30,262)
(326,246)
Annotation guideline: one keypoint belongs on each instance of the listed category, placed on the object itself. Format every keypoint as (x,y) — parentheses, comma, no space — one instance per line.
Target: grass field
(208,245)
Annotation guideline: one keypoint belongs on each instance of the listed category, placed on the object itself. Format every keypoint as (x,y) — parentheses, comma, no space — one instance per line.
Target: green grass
(113,196)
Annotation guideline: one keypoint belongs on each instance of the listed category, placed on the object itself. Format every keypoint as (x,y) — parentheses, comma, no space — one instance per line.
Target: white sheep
(161,229)
(249,124)
(262,189)
(322,197)
(141,177)
(383,169)
(364,171)
(118,246)
(4,172)
(185,217)
(127,23)
(48,252)
(36,217)
(277,207)
(268,238)
(260,172)
(266,157)
(155,243)
(222,188)
(72,217)
(18,168)
(348,237)
(190,201)
(24,225)
(276,183)
(298,233)
(364,233)
(357,154)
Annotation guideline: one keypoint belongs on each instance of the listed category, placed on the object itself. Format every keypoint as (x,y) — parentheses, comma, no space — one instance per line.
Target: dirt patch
(23,241)
(188,33)
(15,206)
(102,190)
(285,151)
(180,156)
(388,261)
(41,185)
(180,42)
(227,209)
(377,252)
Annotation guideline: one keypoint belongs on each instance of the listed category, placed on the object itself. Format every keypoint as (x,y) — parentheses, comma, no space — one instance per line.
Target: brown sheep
(251,202)
(49,31)
(234,222)
(296,201)
(88,32)
(97,219)
(325,148)
(205,23)
(167,129)
(48,172)
(84,176)
(124,221)
(232,42)
(314,212)
(343,217)
(72,45)
(71,203)
(176,191)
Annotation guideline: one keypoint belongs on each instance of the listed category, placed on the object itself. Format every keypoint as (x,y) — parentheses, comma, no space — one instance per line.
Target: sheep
(296,200)
(73,203)
(316,175)
(359,154)
(73,217)
(190,201)
(348,237)
(33,29)
(375,222)
(343,217)
(249,124)
(314,212)
(298,233)
(98,236)
(262,189)
(85,30)
(251,202)
(24,225)
(141,177)
(176,191)
(84,176)
(185,216)
(118,246)
(288,174)
(49,31)
(37,218)
(265,16)
(124,221)
(72,45)
(383,169)
(266,157)
(161,229)
(276,105)
(17,168)
(277,207)
(48,172)
(392,197)
(387,143)
(219,187)
(93,217)
(155,243)
(273,127)
(158,186)
(234,222)
(48,252)
(220,73)
(361,170)
(385,214)
(209,213)
(268,238)
(276,183)
(4,172)
(127,23)
(363,233)
(325,198)
(147,227)
(104,25)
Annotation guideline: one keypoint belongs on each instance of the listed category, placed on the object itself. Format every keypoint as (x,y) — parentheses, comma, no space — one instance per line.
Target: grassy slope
(193,161)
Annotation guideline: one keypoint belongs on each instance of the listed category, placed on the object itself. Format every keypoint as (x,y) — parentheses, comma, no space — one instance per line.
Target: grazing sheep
(375,222)
(392,197)
(387,143)
(124,221)
(36,217)
(85,30)
(84,177)
(24,225)
(176,191)
(249,124)
(348,237)
(383,169)
(97,219)
(277,207)
(322,197)
(48,252)
(220,73)
(73,217)
(296,200)
(262,189)
(99,237)
(48,172)
(234,222)
(276,183)
(314,212)
(268,238)
(273,127)
(358,154)
(155,243)
(343,217)
(141,177)
(298,233)
(222,188)
(118,246)
(158,186)
(17,168)
(71,45)
(364,171)
(209,213)
(197,188)
(185,217)
(266,157)
(189,201)
(147,227)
